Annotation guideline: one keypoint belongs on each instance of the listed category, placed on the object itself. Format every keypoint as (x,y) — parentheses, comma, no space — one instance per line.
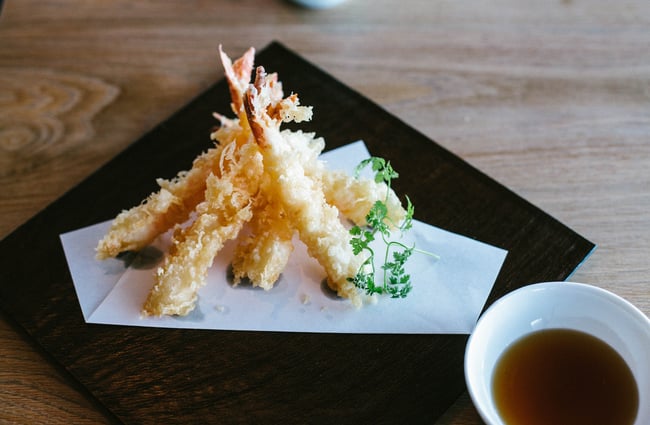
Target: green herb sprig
(395,281)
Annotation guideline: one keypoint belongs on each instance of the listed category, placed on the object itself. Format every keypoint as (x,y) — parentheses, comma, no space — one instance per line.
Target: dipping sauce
(563,376)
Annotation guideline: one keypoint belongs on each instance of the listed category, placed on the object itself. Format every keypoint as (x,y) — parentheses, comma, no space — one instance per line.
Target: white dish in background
(318,4)
(553,305)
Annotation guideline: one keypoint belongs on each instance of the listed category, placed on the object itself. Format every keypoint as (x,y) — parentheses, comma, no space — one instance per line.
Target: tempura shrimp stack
(258,184)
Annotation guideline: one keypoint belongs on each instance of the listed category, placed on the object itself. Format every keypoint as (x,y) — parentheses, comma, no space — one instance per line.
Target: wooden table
(552,99)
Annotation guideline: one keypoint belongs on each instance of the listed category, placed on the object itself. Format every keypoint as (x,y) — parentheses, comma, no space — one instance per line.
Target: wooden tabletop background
(550,98)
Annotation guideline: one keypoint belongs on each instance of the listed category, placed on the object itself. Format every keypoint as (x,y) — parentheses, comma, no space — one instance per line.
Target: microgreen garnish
(396,282)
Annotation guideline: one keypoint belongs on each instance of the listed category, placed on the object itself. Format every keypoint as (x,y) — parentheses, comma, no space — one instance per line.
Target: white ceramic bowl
(557,305)
(318,4)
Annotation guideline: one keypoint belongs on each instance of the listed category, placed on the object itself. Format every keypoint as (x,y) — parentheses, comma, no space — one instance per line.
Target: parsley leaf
(396,282)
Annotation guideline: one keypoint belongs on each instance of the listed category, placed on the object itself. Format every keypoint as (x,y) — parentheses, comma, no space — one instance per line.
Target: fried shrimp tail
(238,76)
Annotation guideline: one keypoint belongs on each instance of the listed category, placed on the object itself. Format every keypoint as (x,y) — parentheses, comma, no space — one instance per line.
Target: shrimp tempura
(262,256)
(317,222)
(221,216)
(256,175)
(137,227)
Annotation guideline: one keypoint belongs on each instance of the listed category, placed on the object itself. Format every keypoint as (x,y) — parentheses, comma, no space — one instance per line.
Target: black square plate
(149,375)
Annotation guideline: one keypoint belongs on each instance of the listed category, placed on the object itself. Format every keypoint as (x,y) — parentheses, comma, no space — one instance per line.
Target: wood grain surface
(551,99)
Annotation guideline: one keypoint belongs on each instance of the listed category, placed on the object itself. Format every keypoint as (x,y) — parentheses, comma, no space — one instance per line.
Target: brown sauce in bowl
(563,376)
